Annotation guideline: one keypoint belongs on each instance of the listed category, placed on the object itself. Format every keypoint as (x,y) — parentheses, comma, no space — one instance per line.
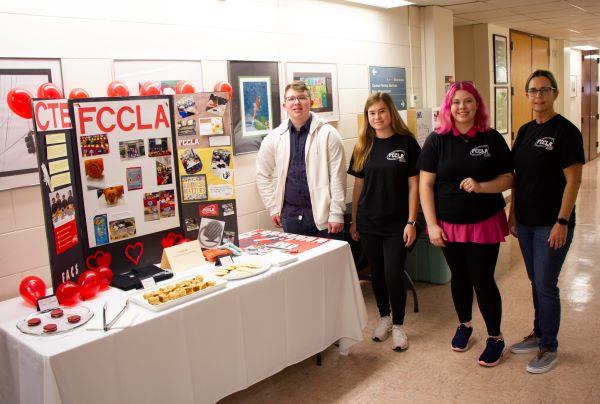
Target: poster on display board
(206,167)
(124,156)
(57,183)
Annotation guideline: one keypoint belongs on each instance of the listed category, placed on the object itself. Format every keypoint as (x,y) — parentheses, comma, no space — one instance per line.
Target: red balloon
(223,86)
(68,293)
(117,89)
(184,240)
(32,288)
(150,88)
(184,87)
(106,275)
(19,102)
(89,284)
(49,91)
(78,93)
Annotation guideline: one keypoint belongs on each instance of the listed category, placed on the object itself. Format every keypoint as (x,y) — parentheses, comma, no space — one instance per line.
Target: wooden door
(520,69)
(589,103)
(540,53)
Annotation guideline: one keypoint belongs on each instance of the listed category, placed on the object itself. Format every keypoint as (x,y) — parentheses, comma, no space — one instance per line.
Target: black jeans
(472,266)
(387,257)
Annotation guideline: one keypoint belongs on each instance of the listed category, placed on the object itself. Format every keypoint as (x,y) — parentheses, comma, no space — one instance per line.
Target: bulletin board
(206,168)
(124,160)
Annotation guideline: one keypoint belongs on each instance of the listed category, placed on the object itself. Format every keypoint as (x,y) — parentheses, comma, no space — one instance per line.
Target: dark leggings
(472,266)
(387,256)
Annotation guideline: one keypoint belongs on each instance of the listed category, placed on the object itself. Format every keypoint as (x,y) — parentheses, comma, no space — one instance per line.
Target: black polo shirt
(296,200)
(541,152)
(482,157)
(383,202)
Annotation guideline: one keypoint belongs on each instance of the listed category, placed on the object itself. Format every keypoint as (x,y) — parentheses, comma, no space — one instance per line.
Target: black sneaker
(460,342)
(494,349)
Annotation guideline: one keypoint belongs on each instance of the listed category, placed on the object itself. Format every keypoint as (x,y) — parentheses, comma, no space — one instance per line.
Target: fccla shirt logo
(398,155)
(480,151)
(545,142)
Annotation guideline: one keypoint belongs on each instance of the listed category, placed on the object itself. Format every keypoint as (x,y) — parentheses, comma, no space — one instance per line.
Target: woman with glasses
(548,157)
(465,166)
(385,202)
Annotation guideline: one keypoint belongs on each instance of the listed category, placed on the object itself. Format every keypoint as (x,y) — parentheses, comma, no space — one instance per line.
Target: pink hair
(445,119)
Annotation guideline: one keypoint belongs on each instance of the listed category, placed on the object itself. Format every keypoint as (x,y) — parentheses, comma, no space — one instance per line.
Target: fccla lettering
(126,118)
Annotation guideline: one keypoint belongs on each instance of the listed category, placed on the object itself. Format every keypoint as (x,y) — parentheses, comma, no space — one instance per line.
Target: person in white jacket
(301,170)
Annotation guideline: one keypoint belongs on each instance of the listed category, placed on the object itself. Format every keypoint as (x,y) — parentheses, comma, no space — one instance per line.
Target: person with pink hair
(465,165)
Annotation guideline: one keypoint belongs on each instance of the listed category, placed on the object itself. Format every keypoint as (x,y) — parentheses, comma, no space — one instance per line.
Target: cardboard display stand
(122,179)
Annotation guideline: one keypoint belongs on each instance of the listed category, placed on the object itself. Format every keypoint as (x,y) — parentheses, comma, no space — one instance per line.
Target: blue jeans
(306,226)
(543,267)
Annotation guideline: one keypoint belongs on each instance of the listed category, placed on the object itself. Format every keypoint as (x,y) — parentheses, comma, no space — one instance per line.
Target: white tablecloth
(198,352)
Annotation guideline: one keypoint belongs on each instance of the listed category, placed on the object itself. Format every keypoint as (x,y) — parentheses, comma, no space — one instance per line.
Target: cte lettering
(58,119)
(125,118)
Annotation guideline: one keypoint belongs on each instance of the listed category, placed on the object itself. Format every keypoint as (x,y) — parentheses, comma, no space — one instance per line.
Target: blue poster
(390,80)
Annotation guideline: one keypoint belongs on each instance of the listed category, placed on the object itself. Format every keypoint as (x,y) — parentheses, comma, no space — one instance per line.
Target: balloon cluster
(19,99)
(68,293)
(87,286)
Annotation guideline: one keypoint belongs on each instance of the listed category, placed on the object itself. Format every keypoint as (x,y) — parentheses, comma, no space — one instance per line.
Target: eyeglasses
(300,98)
(543,91)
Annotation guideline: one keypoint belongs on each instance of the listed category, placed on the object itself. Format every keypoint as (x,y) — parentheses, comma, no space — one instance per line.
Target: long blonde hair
(366,133)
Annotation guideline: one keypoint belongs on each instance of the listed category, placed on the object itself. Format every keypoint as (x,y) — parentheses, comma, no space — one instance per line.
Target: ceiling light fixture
(383,3)
(585,47)
(577,7)
(572,30)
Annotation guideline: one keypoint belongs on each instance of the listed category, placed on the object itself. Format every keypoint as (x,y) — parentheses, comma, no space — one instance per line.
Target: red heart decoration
(171,239)
(135,256)
(102,259)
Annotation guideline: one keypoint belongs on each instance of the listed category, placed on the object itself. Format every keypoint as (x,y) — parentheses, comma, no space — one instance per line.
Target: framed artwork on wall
(501,110)
(321,80)
(500,59)
(255,104)
(18,158)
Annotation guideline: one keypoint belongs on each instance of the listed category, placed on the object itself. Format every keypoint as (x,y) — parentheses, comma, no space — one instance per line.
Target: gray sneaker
(529,344)
(543,361)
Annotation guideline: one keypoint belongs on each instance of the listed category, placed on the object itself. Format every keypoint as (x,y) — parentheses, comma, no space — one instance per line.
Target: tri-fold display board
(122,178)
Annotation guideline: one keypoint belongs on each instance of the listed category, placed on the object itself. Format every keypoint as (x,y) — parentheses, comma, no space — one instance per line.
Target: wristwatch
(562,221)
(413,223)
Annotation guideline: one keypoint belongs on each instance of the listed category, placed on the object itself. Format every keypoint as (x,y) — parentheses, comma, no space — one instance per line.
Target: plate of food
(243,267)
(56,321)
(178,291)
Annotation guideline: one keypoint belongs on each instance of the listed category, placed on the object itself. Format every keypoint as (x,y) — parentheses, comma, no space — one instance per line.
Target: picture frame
(18,159)
(500,59)
(248,141)
(256,109)
(573,86)
(501,109)
(321,79)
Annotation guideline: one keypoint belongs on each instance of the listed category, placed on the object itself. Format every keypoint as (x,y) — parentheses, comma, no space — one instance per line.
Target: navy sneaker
(494,349)
(460,342)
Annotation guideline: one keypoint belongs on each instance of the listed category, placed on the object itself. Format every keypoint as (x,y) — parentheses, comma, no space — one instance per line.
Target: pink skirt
(489,231)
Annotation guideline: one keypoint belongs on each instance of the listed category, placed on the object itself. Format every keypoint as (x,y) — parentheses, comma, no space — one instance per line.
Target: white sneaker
(382,331)
(399,338)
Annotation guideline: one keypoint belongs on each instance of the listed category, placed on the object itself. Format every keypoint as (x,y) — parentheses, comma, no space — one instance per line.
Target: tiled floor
(429,372)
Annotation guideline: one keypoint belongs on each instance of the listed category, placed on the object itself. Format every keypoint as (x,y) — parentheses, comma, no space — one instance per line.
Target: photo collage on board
(205,159)
(127,171)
